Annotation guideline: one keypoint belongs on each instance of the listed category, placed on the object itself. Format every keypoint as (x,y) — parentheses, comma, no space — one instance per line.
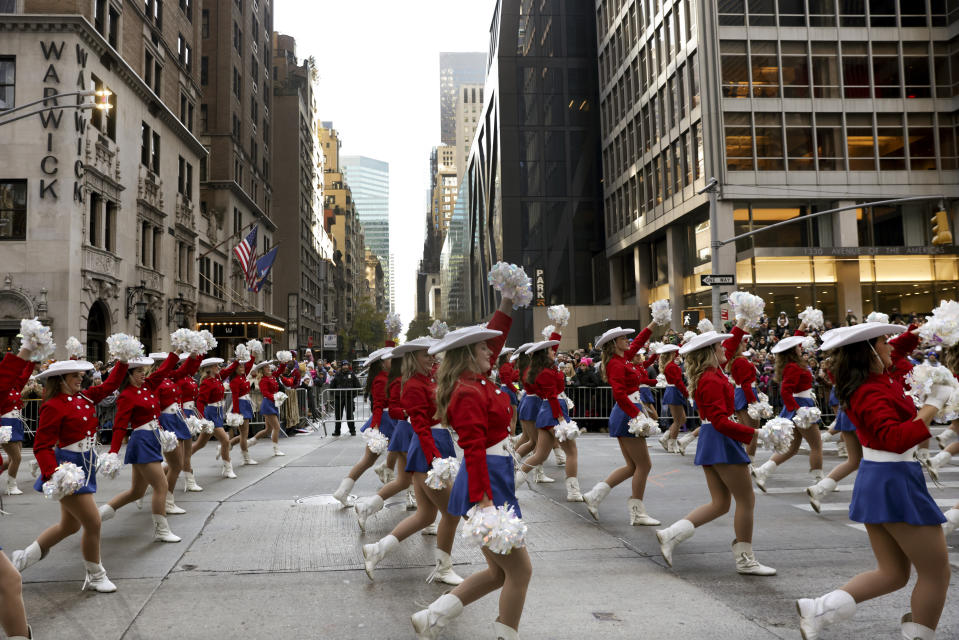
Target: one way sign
(710,280)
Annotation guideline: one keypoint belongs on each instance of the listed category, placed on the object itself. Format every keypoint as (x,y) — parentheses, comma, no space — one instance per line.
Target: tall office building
(456,70)
(794,108)
(469,109)
(369,181)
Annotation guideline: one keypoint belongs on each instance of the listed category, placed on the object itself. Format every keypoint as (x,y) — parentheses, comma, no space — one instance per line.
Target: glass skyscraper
(369,181)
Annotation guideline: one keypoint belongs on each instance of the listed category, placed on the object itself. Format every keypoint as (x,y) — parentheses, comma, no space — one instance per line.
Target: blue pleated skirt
(86,461)
(802,402)
(214,415)
(513,400)
(501,482)
(386,425)
(188,412)
(246,409)
(646,395)
(529,408)
(402,434)
(843,423)
(267,408)
(619,423)
(893,492)
(545,419)
(715,448)
(416,461)
(739,398)
(143,448)
(173,422)
(16,428)
(672,395)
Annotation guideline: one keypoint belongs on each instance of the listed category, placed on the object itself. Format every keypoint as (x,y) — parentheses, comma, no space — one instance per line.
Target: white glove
(938,396)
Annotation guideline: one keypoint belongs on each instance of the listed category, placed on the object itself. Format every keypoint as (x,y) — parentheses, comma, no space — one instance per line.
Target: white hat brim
(66,366)
(466,337)
(667,348)
(208,362)
(380,354)
(612,334)
(859,333)
(703,340)
(136,363)
(543,344)
(787,343)
(260,365)
(417,344)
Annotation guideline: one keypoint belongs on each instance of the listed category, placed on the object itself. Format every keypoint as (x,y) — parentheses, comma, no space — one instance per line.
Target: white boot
(227,469)
(276,450)
(573,493)
(684,442)
(107,512)
(560,456)
(540,477)
(429,531)
(952,521)
(504,633)
(814,614)
(761,474)
(672,535)
(915,631)
(936,462)
(11,485)
(841,449)
(373,553)
(817,474)
(365,507)
(519,477)
(190,480)
(746,561)
(410,499)
(594,497)
(819,491)
(171,508)
(381,472)
(430,621)
(97,579)
(944,438)
(342,492)
(29,635)
(161,530)
(29,556)
(638,515)
(664,441)
(443,571)
(248,459)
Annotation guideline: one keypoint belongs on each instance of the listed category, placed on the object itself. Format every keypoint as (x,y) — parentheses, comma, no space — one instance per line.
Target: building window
(13,209)
(186,111)
(205,24)
(218,290)
(829,142)
(154,12)
(204,70)
(204,117)
(739,142)
(155,153)
(237,37)
(237,221)
(205,280)
(105,121)
(236,83)
(184,52)
(8,74)
(186,6)
(799,142)
(860,142)
(152,70)
(185,179)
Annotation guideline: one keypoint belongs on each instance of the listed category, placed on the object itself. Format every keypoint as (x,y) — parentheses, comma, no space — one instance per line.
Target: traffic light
(940,229)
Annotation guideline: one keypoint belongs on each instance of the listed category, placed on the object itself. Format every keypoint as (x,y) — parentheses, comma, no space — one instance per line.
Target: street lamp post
(101,102)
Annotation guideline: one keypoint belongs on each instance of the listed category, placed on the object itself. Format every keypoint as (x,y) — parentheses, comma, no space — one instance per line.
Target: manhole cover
(322,500)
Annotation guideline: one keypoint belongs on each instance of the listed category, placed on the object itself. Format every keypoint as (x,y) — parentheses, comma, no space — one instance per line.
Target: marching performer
(674,396)
(525,443)
(847,431)
(379,364)
(13,614)
(720,453)
(172,419)
(480,414)
(243,405)
(743,373)
(795,387)
(138,410)
(269,387)
(430,441)
(188,389)
(209,406)
(10,406)
(68,421)
(508,379)
(646,384)
(890,495)
(949,449)
(625,382)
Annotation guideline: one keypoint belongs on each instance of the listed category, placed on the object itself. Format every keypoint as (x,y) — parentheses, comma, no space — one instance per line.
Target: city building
(457,69)
(444,180)
(533,174)
(235,122)
(369,181)
(469,109)
(99,217)
(793,108)
(297,202)
(376,282)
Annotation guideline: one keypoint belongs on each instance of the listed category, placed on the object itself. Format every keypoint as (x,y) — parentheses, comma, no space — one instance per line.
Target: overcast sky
(378,62)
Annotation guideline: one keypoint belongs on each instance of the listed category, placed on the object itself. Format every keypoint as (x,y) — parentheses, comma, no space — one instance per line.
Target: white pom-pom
(208,338)
(643,426)
(809,344)
(747,307)
(393,324)
(921,380)
(566,430)
(64,482)
(242,353)
(109,465)
(207,426)
(443,473)
(877,316)
(168,440)
(194,424)
(376,442)
(496,528)
(255,347)
(548,330)
(761,410)
(34,469)
(662,312)
(74,348)
(198,343)
(777,434)
(439,329)
(233,419)
(120,346)
(279,398)
(705,325)
(511,281)
(807,417)
(661,381)
(654,347)
(558,315)
(943,326)
(689,335)
(813,318)
(182,340)
(284,356)
(6,433)
(38,338)
(569,402)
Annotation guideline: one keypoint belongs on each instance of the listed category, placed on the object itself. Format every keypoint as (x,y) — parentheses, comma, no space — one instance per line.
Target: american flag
(245,254)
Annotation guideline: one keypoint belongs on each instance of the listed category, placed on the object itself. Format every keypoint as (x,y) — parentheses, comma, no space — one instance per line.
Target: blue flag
(263,266)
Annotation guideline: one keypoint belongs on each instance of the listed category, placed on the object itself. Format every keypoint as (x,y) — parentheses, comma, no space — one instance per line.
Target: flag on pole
(263,266)
(245,253)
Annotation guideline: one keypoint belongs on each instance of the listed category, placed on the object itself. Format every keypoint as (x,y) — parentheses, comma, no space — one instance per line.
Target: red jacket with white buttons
(212,389)
(137,406)
(11,399)
(169,388)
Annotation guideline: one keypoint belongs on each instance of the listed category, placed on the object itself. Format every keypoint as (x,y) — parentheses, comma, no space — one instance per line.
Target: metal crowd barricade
(343,405)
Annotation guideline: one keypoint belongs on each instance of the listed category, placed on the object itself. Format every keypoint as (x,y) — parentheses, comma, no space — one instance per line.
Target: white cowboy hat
(703,340)
(859,333)
(380,354)
(507,350)
(463,337)
(520,350)
(542,344)
(207,362)
(417,344)
(787,343)
(140,362)
(161,355)
(63,367)
(612,334)
(260,365)
(667,348)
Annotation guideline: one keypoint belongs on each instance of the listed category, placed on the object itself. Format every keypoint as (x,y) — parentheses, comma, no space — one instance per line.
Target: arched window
(98,327)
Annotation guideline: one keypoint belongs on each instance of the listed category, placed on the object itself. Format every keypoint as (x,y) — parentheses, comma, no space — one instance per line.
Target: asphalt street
(271,555)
